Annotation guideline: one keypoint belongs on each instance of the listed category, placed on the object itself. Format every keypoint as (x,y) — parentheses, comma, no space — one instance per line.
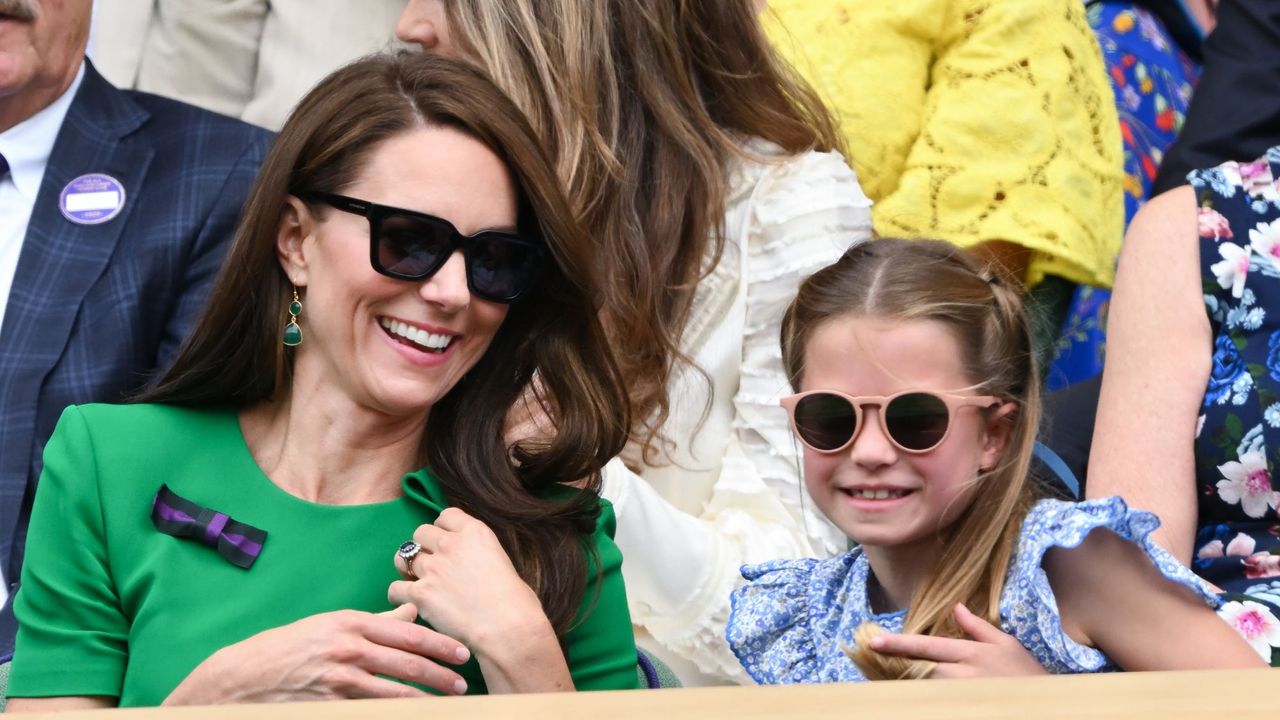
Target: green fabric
(111,606)
(666,676)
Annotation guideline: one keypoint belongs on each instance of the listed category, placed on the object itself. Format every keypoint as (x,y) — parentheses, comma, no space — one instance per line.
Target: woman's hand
(990,653)
(464,584)
(331,656)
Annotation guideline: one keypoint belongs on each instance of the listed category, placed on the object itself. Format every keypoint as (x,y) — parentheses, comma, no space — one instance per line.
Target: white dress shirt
(27,147)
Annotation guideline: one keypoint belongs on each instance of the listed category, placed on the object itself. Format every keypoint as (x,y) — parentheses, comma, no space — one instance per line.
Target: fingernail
(463,654)
(460,687)
(876,643)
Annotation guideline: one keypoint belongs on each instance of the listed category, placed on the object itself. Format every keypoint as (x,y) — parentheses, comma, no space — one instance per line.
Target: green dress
(111,606)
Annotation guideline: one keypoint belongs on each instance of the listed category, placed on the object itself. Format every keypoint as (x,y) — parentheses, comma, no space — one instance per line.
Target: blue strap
(1059,467)
(648,670)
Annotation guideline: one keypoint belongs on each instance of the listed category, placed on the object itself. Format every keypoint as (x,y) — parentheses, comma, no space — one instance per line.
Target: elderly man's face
(41,45)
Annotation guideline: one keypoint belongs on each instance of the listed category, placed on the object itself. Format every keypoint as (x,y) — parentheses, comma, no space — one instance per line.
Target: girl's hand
(990,653)
(331,656)
(464,584)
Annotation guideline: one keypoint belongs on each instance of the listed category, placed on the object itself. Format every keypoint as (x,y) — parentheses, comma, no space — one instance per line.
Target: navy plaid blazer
(96,310)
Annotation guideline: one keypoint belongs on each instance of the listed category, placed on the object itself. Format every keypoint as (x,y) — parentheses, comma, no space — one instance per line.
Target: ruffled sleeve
(1028,608)
(810,210)
(769,629)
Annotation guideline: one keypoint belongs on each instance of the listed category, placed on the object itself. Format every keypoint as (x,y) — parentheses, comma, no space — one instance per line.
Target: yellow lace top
(972,120)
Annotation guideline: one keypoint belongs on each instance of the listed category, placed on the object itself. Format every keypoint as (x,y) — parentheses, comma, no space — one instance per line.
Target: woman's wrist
(193,690)
(212,682)
(522,657)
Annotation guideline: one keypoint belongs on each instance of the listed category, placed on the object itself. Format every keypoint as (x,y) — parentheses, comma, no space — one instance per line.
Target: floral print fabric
(790,621)
(1238,434)
(1152,78)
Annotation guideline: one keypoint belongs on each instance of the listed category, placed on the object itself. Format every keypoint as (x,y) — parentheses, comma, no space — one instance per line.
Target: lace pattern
(917,111)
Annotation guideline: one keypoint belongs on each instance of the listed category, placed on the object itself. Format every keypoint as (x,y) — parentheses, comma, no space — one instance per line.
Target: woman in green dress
(316,501)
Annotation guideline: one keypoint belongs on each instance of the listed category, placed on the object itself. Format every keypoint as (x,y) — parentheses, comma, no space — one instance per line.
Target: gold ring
(407,551)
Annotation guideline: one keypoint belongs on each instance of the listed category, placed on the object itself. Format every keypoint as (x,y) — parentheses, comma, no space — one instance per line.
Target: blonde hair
(931,280)
(641,104)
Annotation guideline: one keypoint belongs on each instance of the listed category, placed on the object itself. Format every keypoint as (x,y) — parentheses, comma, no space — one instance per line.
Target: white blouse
(728,491)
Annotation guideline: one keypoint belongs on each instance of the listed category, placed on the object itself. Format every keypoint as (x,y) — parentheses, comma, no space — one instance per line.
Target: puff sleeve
(769,628)
(1028,608)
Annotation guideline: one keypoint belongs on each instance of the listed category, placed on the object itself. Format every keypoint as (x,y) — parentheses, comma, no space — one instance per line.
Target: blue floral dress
(789,622)
(1152,77)
(1238,435)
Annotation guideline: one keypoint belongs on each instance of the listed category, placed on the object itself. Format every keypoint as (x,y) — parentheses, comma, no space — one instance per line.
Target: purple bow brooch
(239,543)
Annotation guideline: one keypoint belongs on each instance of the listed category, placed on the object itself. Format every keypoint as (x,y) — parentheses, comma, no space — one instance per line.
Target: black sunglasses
(408,245)
(916,421)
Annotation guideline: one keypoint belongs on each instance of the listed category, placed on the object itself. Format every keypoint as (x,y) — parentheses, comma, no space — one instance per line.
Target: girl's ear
(297,224)
(999,426)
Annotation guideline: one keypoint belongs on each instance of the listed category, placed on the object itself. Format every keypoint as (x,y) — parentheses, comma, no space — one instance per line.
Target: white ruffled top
(729,491)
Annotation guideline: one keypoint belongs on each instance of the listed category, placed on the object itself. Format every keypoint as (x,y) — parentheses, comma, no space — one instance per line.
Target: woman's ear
(996,433)
(297,224)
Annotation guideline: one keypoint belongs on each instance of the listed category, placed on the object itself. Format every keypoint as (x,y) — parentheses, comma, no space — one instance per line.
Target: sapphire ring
(407,551)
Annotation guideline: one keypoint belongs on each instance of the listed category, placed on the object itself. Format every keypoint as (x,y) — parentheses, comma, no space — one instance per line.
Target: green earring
(293,333)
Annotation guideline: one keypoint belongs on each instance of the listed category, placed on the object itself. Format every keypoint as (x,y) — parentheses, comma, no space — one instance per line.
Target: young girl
(917,409)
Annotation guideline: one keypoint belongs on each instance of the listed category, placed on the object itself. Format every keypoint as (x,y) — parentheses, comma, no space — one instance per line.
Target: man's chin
(15,70)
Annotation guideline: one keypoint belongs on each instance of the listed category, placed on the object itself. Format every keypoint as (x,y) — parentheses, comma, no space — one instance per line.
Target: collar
(28,145)
(425,488)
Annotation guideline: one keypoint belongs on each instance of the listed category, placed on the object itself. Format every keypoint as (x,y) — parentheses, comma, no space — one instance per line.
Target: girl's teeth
(880,494)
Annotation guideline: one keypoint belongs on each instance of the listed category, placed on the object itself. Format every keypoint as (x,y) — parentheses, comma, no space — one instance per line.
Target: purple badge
(92,199)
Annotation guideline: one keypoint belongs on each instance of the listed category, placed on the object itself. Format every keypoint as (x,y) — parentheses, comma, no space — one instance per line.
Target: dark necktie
(4,167)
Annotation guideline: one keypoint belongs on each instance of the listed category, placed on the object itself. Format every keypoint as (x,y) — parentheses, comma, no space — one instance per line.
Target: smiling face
(877,494)
(41,46)
(395,346)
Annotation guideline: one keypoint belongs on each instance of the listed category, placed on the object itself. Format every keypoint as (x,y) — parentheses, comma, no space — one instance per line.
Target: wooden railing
(1234,694)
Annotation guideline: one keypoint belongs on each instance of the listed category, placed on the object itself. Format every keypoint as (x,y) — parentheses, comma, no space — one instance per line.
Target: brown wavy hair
(235,355)
(642,104)
(931,280)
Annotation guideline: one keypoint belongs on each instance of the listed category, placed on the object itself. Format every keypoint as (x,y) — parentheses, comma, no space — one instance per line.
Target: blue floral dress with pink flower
(1238,434)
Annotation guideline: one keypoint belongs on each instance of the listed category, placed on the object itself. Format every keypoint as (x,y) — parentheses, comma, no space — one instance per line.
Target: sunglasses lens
(917,421)
(501,267)
(825,421)
(412,247)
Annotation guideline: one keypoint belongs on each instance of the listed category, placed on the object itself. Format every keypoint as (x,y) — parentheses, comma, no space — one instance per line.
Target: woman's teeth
(431,342)
(881,494)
